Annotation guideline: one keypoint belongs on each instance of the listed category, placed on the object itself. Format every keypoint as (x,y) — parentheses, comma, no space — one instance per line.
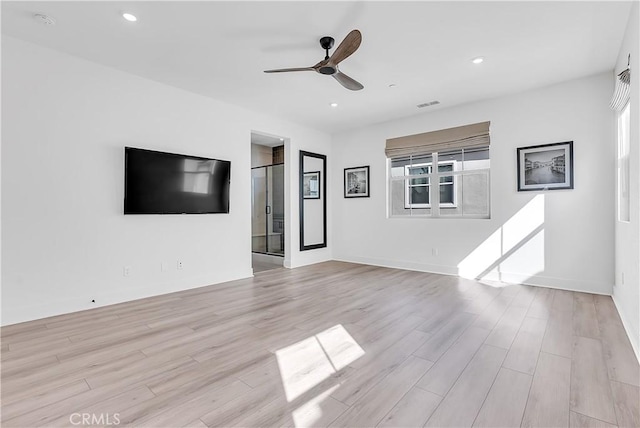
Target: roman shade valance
(460,137)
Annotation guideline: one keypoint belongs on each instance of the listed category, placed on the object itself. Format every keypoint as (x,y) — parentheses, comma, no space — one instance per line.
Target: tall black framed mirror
(313,201)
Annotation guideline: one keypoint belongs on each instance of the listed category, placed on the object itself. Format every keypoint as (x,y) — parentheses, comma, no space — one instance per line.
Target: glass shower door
(258,210)
(275,216)
(267,204)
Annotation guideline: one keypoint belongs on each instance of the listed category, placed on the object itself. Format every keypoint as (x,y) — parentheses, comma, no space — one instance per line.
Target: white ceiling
(266,140)
(219,49)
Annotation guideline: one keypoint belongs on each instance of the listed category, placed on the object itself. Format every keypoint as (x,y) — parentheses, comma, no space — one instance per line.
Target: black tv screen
(168,183)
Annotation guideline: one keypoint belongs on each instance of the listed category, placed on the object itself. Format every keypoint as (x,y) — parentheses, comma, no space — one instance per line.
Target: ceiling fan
(329,65)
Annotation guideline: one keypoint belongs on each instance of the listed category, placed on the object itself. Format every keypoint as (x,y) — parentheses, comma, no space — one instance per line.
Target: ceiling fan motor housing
(327,43)
(327,69)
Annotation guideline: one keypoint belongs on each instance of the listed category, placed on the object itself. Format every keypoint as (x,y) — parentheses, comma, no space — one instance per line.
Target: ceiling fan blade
(320,64)
(286,70)
(347,81)
(348,46)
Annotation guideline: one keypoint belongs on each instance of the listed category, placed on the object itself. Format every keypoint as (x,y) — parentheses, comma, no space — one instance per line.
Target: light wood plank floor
(334,344)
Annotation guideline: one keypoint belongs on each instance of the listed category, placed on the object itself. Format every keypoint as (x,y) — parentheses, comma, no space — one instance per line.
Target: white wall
(65,240)
(627,295)
(571,231)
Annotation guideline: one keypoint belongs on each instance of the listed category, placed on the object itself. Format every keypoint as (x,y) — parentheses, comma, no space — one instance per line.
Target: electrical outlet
(179,265)
(622,279)
(126,271)
(164,267)
(434,251)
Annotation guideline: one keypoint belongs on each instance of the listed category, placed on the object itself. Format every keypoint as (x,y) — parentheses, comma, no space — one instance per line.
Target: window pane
(475,194)
(624,128)
(397,171)
(416,181)
(447,193)
(419,195)
(450,156)
(417,170)
(476,158)
(402,196)
(450,195)
(403,161)
(417,160)
(411,165)
(397,196)
(445,168)
(398,164)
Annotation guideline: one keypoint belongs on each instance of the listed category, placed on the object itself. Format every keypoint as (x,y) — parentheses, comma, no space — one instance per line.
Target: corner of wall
(634,336)
(626,293)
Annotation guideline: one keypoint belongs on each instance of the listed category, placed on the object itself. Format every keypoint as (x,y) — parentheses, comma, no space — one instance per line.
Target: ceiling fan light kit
(329,66)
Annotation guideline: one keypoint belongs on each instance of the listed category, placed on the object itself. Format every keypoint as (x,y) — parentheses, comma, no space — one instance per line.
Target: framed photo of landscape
(356,182)
(545,167)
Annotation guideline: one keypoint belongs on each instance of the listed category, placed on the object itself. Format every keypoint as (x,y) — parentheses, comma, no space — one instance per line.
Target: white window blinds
(622,91)
(460,137)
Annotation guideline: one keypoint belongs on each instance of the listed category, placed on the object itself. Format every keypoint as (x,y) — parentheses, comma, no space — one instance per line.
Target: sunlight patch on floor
(340,347)
(307,363)
(310,412)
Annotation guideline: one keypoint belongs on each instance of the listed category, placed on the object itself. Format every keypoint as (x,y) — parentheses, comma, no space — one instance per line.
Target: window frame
(408,186)
(623,160)
(434,208)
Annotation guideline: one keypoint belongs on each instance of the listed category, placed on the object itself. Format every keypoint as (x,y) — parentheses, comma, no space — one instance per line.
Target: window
(463,184)
(624,130)
(417,189)
(458,187)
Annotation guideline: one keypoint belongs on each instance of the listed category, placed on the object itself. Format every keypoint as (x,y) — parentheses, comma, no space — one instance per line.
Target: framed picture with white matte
(311,185)
(545,167)
(356,182)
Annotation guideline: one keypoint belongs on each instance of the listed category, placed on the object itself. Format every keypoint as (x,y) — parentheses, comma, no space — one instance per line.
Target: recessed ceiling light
(129,17)
(478,60)
(334,104)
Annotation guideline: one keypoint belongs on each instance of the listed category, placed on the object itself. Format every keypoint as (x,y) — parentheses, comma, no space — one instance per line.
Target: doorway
(267,202)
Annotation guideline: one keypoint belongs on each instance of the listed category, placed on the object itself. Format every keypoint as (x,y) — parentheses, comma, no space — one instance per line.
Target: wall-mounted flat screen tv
(169,183)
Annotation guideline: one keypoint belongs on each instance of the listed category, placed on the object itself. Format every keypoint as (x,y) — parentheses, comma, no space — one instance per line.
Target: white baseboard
(308,261)
(506,277)
(551,282)
(396,264)
(67,306)
(633,338)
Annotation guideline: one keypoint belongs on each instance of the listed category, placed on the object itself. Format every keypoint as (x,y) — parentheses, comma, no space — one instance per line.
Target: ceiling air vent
(430,103)
(44,19)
